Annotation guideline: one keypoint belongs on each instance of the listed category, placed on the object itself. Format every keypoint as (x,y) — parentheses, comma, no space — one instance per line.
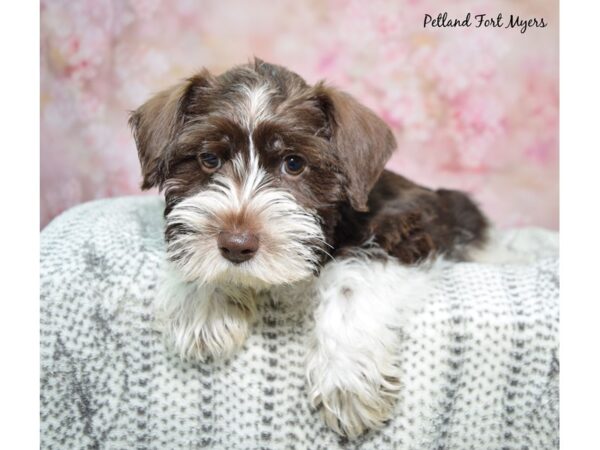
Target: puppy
(269,181)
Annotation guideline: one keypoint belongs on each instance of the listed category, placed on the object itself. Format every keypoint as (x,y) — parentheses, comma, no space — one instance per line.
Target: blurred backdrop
(475,109)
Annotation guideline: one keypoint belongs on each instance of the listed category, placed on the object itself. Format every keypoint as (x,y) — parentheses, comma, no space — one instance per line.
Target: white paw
(218,332)
(356,404)
(201,322)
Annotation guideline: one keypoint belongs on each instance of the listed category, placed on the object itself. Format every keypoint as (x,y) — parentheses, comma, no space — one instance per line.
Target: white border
(580,224)
(19,227)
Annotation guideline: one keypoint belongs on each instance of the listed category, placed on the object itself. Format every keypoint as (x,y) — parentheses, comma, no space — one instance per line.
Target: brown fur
(345,145)
(411,222)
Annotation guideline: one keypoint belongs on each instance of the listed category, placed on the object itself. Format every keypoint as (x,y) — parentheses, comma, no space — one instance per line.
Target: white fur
(256,108)
(203,320)
(352,364)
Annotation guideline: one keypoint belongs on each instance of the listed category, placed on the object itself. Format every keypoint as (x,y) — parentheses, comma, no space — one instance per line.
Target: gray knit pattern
(480,360)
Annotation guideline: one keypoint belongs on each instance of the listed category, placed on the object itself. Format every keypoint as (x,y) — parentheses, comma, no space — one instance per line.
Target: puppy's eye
(293,165)
(209,161)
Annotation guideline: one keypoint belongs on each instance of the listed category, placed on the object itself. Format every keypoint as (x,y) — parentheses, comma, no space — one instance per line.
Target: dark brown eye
(209,161)
(293,165)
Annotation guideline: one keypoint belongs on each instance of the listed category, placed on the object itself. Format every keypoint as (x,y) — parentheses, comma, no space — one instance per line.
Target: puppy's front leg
(352,365)
(201,321)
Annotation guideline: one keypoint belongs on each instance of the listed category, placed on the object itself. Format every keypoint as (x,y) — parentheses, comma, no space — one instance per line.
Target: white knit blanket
(480,358)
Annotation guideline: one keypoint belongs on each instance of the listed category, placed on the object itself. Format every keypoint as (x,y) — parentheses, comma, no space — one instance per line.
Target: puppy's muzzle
(238,246)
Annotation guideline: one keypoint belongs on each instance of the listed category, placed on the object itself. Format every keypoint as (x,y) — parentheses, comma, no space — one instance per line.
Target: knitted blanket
(479,358)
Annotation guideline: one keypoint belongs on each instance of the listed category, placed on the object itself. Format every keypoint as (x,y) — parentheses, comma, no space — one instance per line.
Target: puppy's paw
(202,322)
(217,335)
(356,400)
(403,236)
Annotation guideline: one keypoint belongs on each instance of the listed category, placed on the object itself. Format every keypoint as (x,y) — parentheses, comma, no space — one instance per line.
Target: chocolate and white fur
(270,181)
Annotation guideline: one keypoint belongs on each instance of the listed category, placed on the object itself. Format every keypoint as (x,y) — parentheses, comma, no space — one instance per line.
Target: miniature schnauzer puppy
(269,181)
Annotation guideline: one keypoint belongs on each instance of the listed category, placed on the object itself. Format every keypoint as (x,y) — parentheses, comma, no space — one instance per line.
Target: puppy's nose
(237,246)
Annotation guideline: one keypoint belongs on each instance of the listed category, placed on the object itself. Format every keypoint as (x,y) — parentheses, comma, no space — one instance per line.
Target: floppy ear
(157,123)
(363,142)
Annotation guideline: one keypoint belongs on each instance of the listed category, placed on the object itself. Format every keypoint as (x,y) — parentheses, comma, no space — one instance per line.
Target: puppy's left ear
(362,141)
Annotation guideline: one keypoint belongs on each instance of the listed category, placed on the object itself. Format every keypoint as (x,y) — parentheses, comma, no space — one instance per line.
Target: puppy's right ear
(157,123)
(362,142)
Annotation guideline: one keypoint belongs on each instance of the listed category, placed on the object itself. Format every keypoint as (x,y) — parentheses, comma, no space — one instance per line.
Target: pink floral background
(475,109)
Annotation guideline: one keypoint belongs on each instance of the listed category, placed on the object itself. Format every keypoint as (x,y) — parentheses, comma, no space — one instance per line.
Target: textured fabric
(479,359)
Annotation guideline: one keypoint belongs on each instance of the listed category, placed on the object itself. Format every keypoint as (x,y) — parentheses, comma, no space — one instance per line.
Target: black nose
(237,246)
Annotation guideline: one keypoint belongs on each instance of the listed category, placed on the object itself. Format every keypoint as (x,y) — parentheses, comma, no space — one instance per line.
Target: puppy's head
(256,165)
